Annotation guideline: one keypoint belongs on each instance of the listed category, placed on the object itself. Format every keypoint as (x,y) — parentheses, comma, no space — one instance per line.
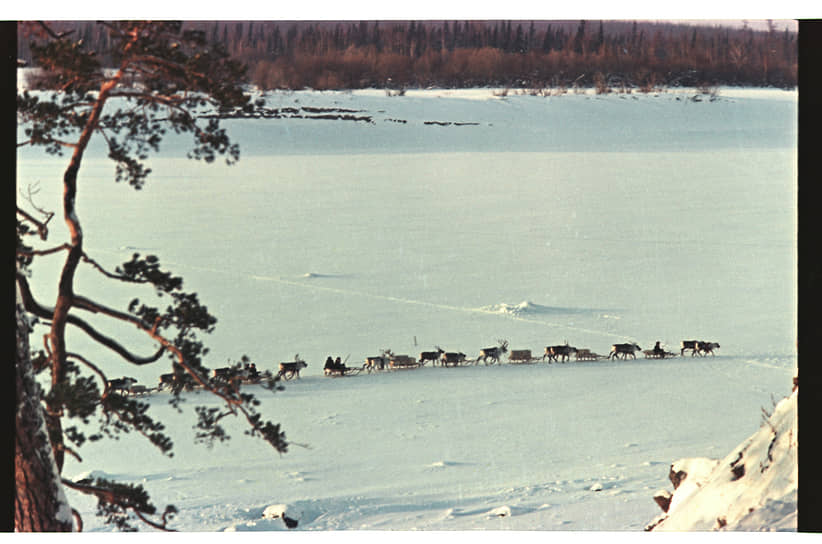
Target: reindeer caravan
(489,356)
(246,373)
(623,351)
(388,360)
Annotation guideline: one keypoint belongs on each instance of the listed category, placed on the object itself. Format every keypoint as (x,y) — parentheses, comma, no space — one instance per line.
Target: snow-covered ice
(581,218)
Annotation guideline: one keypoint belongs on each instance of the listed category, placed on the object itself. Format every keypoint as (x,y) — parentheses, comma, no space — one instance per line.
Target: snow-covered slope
(754,488)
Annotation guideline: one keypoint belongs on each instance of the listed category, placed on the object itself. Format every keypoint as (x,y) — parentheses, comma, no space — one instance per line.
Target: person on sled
(658,351)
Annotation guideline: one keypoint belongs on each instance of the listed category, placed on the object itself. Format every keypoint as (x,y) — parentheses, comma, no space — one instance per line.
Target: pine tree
(186,85)
(599,42)
(519,41)
(579,39)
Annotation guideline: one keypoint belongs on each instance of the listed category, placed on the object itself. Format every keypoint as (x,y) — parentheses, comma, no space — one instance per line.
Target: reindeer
(139,390)
(559,353)
(226,374)
(493,354)
(704,348)
(625,350)
(378,363)
(172,380)
(432,356)
(689,344)
(292,369)
(450,358)
(121,385)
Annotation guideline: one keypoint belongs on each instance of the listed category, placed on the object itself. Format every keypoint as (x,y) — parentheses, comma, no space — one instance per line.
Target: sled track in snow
(436,305)
(387,298)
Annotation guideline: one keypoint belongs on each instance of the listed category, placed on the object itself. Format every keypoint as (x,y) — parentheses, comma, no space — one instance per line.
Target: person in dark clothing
(339,365)
(658,350)
(329,364)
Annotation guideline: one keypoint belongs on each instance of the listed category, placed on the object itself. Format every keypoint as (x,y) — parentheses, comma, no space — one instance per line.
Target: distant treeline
(610,55)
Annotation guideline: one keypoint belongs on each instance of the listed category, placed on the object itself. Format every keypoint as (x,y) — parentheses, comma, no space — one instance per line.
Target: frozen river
(579,218)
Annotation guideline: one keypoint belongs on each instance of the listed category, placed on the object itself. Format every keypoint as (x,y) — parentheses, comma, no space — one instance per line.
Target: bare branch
(42,252)
(42,228)
(46,345)
(78,519)
(49,140)
(108,274)
(71,452)
(153,524)
(70,145)
(83,303)
(113,345)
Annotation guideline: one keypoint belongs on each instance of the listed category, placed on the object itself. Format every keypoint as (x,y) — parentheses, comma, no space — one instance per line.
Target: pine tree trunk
(39,502)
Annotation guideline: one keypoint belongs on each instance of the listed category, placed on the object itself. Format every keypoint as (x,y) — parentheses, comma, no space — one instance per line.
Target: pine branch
(35,308)
(93,367)
(121,498)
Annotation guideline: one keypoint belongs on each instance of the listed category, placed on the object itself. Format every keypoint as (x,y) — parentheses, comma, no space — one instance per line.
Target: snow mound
(313,275)
(499,512)
(92,475)
(525,307)
(274,511)
(442,464)
(754,488)
(274,518)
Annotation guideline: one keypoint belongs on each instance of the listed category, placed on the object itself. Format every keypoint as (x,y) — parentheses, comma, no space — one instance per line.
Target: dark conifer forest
(607,55)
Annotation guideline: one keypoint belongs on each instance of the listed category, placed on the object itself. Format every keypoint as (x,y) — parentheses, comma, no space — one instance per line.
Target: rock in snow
(754,488)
